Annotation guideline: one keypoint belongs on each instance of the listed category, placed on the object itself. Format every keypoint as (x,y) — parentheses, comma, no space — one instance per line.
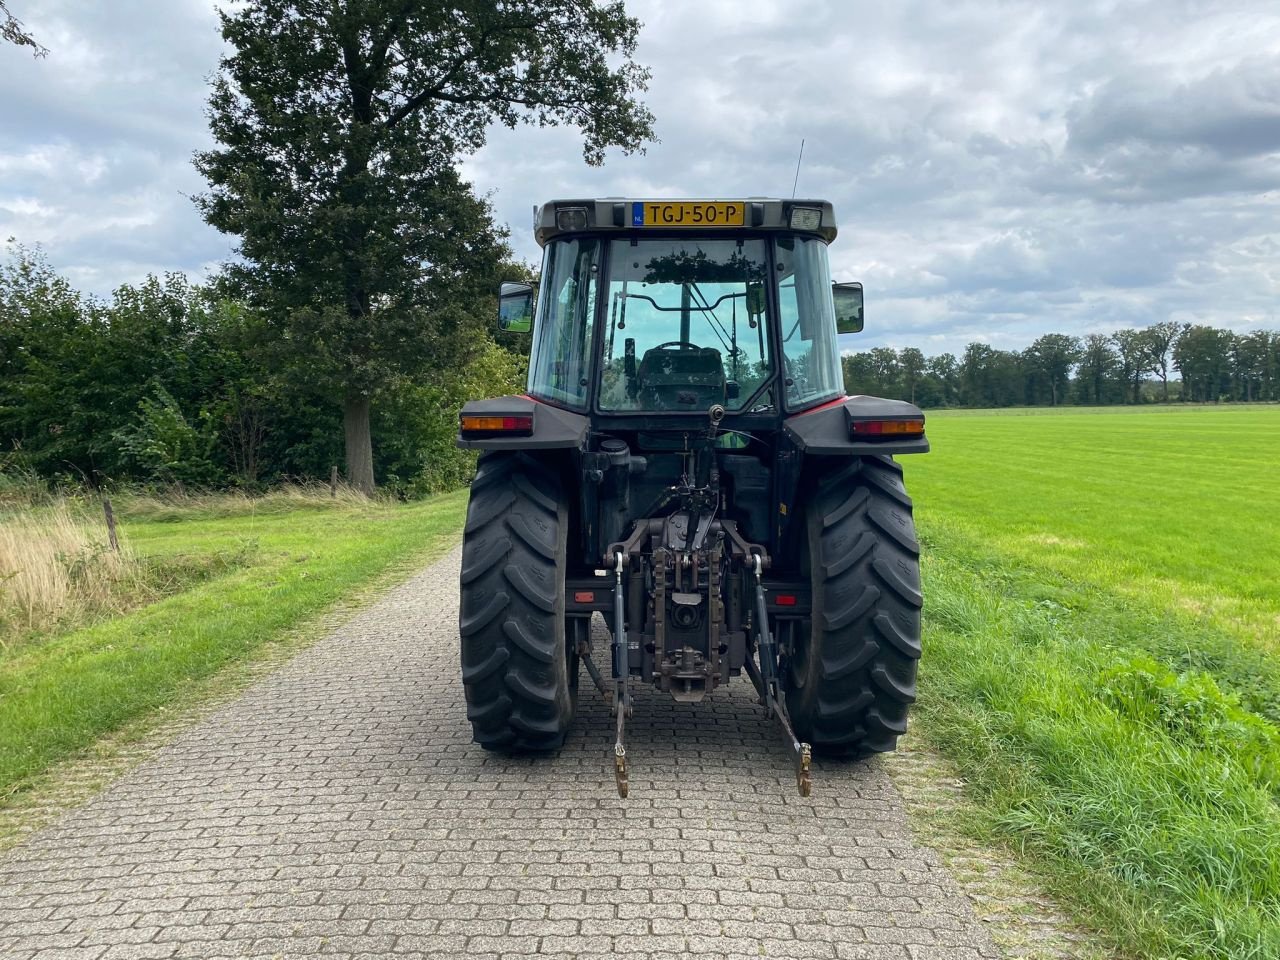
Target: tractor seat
(681,379)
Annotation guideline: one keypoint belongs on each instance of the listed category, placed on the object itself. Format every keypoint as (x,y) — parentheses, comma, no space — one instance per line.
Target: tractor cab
(669,307)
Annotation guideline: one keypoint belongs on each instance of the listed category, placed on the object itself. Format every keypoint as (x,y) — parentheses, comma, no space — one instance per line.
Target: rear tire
(851,676)
(515,656)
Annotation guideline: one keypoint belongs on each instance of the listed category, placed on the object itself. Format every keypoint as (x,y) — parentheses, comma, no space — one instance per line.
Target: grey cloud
(1233,112)
(999,169)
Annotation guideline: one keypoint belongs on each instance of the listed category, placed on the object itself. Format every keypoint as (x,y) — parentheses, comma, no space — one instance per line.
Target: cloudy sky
(999,169)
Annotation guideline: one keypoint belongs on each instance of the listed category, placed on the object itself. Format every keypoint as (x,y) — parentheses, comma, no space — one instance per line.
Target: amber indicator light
(474,424)
(886,428)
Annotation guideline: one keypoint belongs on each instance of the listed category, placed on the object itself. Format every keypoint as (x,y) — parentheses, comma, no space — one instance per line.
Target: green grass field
(293,559)
(1102,618)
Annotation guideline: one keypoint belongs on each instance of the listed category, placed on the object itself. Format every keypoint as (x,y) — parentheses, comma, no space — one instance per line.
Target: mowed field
(1102,658)
(1180,506)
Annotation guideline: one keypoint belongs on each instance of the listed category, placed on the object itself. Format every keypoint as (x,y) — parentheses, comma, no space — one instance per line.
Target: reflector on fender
(873,429)
(514,426)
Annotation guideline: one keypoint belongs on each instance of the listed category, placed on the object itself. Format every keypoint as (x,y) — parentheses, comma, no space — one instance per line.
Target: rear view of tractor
(686,464)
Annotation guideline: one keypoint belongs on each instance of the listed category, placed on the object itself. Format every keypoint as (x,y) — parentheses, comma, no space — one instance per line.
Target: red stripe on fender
(822,406)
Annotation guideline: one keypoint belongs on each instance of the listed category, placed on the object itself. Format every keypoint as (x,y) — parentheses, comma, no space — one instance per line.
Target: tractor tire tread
(853,661)
(511,619)
(866,541)
(860,672)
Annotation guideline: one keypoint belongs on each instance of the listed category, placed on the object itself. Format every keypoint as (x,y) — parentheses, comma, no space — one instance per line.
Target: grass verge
(1128,750)
(61,695)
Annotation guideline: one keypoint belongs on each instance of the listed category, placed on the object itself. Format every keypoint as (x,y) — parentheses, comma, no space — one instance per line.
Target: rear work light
(571,218)
(520,426)
(806,218)
(875,429)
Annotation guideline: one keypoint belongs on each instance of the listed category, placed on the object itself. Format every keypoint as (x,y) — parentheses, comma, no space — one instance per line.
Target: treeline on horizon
(173,383)
(1165,362)
(177,384)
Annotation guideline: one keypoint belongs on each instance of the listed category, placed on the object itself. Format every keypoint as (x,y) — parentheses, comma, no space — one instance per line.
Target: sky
(999,170)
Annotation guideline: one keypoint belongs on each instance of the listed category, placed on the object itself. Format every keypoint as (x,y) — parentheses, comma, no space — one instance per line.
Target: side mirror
(629,358)
(732,390)
(848,298)
(515,308)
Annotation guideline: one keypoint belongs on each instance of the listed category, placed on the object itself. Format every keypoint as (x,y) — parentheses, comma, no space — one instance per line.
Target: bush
(161,444)
(1193,711)
(416,425)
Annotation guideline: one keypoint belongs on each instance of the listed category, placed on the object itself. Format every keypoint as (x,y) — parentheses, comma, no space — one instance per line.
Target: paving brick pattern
(339,809)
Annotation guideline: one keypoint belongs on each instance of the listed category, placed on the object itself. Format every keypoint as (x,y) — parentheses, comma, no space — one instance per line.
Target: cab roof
(634,216)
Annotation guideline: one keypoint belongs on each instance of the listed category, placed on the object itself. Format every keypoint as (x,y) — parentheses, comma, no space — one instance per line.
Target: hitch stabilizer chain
(621,673)
(801,753)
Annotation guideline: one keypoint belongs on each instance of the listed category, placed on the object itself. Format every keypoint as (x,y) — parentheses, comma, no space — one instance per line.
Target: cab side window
(561,362)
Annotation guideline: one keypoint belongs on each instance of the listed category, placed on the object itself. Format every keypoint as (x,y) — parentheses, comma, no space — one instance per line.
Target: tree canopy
(339,126)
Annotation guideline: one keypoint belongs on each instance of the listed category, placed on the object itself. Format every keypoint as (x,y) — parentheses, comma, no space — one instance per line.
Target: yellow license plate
(697,213)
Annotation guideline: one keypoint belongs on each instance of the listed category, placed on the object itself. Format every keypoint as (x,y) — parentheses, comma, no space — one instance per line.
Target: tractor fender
(824,430)
(552,428)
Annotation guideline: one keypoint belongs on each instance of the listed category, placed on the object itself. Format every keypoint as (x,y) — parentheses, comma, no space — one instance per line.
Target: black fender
(825,430)
(552,428)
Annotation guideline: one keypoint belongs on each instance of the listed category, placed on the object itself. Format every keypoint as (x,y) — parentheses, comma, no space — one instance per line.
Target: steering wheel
(682,344)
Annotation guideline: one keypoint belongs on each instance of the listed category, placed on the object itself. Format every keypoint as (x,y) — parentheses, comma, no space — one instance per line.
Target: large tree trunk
(355,422)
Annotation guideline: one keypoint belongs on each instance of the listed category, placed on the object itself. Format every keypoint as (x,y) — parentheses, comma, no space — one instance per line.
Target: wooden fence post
(333,481)
(111,525)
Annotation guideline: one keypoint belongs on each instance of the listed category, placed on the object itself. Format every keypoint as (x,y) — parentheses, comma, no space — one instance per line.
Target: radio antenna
(797,179)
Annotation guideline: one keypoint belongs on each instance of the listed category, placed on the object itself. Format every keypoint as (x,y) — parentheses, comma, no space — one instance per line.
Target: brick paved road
(339,809)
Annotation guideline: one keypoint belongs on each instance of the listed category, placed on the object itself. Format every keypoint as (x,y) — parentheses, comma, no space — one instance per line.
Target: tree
(1052,356)
(1133,353)
(911,367)
(946,372)
(874,373)
(990,377)
(1099,364)
(1251,365)
(1271,385)
(1203,357)
(885,372)
(1158,340)
(12,30)
(339,125)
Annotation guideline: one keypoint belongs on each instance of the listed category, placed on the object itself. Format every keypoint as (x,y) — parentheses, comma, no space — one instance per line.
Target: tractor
(685,462)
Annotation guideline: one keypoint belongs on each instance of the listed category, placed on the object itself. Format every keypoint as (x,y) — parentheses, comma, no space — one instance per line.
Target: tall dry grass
(56,566)
(177,504)
(57,571)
